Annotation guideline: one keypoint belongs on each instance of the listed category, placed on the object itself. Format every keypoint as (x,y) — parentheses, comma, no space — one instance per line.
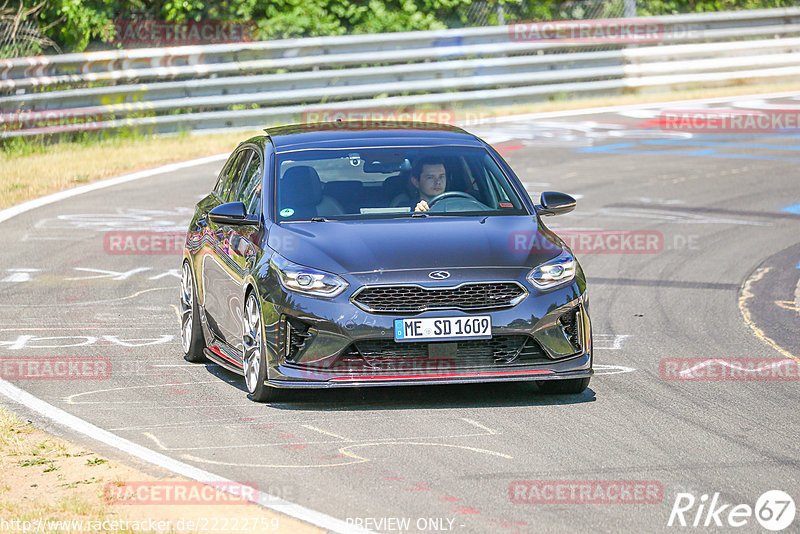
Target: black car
(349,254)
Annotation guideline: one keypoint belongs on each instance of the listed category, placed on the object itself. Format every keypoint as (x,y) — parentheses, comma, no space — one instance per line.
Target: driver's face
(432,181)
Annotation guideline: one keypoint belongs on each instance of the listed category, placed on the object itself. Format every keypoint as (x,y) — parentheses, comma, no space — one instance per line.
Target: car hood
(416,243)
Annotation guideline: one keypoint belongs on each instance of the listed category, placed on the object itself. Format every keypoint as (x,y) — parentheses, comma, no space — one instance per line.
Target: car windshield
(368,183)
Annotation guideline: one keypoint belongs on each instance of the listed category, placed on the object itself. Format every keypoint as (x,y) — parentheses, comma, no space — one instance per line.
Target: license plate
(443,328)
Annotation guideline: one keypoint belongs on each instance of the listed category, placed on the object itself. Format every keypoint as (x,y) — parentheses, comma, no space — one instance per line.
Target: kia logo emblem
(439,275)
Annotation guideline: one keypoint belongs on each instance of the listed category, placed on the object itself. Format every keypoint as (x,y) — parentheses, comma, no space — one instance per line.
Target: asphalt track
(722,284)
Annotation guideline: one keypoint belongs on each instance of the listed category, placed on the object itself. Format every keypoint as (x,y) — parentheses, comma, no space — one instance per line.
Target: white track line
(77,424)
(102,184)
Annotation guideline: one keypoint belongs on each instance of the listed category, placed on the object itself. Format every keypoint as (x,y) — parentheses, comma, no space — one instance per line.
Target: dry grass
(44,478)
(12,434)
(30,171)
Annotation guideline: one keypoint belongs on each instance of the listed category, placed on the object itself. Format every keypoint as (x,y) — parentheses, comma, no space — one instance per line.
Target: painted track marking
(71,398)
(746,295)
(486,428)
(356,458)
(600,369)
(473,449)
(194,473)
(281,443)
(326,432)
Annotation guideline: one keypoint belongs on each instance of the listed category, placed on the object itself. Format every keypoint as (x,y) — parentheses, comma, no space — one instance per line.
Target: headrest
(400,183)
(344,188)
(300,186)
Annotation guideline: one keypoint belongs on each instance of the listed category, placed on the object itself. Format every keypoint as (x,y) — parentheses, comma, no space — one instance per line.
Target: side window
(500,188)
(223,174)
(234,179)
(250,190)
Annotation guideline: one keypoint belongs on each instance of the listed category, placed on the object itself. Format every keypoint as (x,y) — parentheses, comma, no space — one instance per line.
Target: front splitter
(431,379)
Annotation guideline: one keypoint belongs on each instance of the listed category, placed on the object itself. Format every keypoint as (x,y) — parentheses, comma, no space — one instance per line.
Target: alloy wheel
(252,344)
(187,307)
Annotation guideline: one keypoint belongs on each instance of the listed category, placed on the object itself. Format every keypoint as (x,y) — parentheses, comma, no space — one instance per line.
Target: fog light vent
(569,322)
(294,334)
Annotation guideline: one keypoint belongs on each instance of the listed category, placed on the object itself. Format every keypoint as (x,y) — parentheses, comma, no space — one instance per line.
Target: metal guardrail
(235,85)
(195,69)
(315,46)
(433,68)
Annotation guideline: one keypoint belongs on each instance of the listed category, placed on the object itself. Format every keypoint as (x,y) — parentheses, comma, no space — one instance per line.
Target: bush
(73,24)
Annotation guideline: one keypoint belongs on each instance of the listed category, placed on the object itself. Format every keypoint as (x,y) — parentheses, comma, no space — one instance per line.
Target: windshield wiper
(319,219)
(420,214)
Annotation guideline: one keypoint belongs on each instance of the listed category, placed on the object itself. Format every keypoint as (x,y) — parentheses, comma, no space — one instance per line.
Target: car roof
(359,134)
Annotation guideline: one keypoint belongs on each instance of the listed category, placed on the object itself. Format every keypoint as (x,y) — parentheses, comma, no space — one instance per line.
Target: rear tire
(191,334)
(570,386)
(255,359)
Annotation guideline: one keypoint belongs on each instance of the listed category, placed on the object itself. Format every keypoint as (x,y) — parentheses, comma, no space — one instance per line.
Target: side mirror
(554,203)
(232,213)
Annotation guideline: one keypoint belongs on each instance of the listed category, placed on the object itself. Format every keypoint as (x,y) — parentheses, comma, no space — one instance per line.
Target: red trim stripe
(443,375)
(216,351)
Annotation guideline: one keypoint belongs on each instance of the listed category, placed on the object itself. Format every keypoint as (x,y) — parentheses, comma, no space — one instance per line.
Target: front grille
(415,299)
(386,354)
(569,322)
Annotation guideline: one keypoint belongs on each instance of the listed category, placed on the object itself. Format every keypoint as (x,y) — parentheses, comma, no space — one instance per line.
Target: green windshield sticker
(287,212)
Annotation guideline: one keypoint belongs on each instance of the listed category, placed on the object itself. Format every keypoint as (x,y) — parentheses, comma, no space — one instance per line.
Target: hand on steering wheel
(450,194)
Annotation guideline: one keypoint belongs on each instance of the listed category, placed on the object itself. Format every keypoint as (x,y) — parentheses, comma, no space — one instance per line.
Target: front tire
(191,334)
(255,359)
(571,386)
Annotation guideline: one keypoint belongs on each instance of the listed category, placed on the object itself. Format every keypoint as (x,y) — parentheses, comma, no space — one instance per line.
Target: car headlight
(557,271)
(306,280)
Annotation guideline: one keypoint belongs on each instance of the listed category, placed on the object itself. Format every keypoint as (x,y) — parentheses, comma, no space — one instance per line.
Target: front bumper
(432,379)
(332,330)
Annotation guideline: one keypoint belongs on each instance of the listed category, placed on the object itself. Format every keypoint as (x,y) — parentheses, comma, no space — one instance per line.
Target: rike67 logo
(774,510)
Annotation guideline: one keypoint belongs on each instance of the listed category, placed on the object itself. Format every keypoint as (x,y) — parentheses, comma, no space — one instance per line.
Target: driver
(429,177)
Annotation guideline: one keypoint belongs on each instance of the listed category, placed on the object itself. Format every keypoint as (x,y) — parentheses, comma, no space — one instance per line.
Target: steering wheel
(452,194)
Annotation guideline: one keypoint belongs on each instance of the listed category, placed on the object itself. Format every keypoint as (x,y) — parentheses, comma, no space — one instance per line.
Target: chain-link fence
(491,13)
(15,39)
(19,35)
